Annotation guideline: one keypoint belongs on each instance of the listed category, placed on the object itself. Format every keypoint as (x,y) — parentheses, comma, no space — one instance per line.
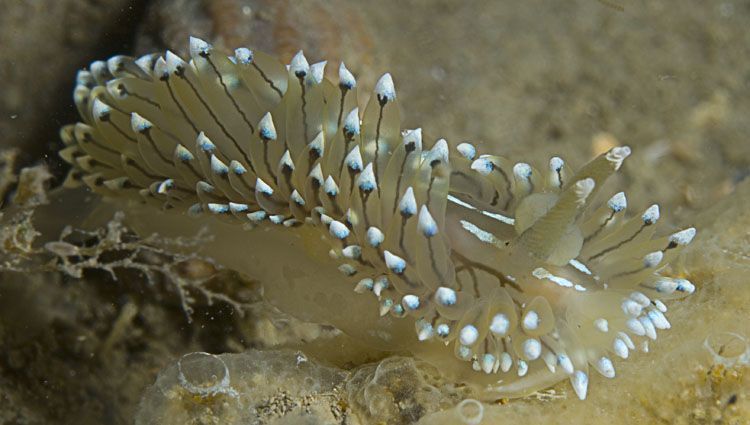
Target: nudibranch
(519,274)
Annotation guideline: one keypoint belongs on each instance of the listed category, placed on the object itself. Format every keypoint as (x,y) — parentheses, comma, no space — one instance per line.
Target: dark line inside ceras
(630,272)
(147,134)
(610,249)
(181,73)
(92,162)
(87,138)
(507,185)
(494,272)
(192,169)
(207,56)
(130,162)
(352,173)
(545,345)
(382,103)
(429,190)
(337,209)
(246,184)
(401,245)
(286,171)
(124,90)
(472,181)
(429,239)
(347,140)
(119,130)
(469,270)
(267,80)
(312,156)
(179,105)
(559,177)
(183,190)
(316,184)
(495,198)
(398,183)
(475,281)
(304,107)
(364,196)
(599,230)
(266,160)
(432,258)
(341,105)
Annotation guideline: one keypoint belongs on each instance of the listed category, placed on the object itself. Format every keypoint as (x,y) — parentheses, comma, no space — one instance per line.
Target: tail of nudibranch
(520,273)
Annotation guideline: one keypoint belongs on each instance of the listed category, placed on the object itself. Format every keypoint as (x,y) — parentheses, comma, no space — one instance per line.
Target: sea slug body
(520,275)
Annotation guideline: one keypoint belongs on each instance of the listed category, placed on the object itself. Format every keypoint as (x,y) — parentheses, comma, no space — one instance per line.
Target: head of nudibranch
(521,277)
(553,282)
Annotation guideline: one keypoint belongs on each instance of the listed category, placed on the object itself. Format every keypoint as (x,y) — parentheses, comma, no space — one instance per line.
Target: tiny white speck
(375,237)
(408,204)
(602,324)
(443,330)
(410,302)
(620,348)
(683,237)
(413,137)
(198,46)
(266,127)
(506,362)
(467,150)
(395,263)
(317,72)
(618,202)
(352,251)
(364,285)
(580,382)
(237,208)
(330,187)
(522,171)
(440,151)
(500,324)
(605,367)
(651,215)
(243,55)
(635,326)
(218,167)
(483,166)
(385,89)
(346,78)
(653,259)
(532,349)
(445,296)
(468,335)
(523,368)
(338,230)
(427,224)
(263,187)
(488,362)
(366,180)
(648,327)
(257,216)
(565,363)
(299,65)
(174,62)
(354,159)
(531,320)
(351,122)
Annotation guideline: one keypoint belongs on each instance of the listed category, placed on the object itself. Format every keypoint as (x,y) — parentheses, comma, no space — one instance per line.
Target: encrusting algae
(508,277)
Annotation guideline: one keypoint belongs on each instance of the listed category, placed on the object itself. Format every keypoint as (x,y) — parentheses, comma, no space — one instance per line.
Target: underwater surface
(108,310)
